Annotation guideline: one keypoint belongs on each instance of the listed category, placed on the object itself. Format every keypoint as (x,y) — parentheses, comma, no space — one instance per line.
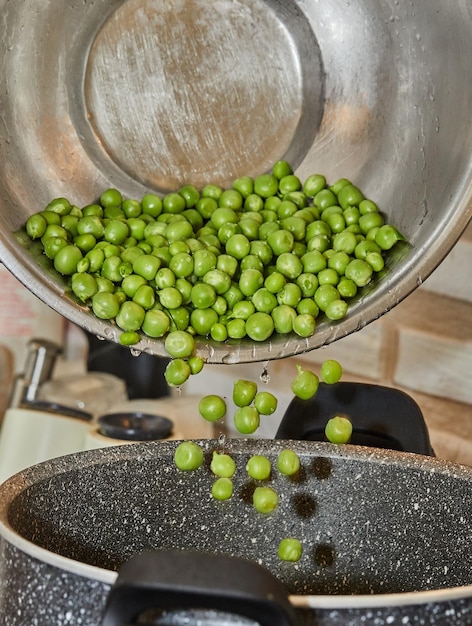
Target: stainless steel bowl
(151,94)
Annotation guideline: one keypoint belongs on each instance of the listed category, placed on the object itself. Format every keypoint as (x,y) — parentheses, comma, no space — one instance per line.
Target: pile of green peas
(268,255)
(189,456)
(251,402)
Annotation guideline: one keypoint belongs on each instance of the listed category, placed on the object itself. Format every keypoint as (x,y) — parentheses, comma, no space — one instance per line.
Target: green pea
(206,206)
(304,325)
(222,465)
(227,264)
(85,242)
(359,271)
(387,236)
(313,262)
(347,288)
(111,268)
(104,285)
(145,296)
(219,332)
(52,245)
(321,243)
(281,241)
(350,195)
(243,310)
(219,280)
(344,241)
(156,323)
(188,456)
(212,407)
(259,467)
(129,338)
(291,294)
(196,364)
(203,262)
(329,276)
(365,247)
(179,344)
(36,226)
(324,295)
(84,286)
(202,320)
(61,206)
(264,300)
(281,168)
(338,429)
(338,262)
(259,326)
(288,462)
(233,295)
(370,220)
(286,209)
(246,420)
(238,246)
(336,222)
(275,282)
(116,231)
(331,371)
(170,297)
(177,372)
(50,217)
(283,317)
(324,199)
(367,206)
(265,403)
(184,286)
(308,284)
(244,392)
(105,304)
(265,499)
(130,316)
(339,184)
(305,384)
(92,209)
(308,306)
(173,203)
(336,309)
(314,184)
(222,488)
(351,215)
(111,198)
(290,549)
(375,260)
(236,329)
(66,259)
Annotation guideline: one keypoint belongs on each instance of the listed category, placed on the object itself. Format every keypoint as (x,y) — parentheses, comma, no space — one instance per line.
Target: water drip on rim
(265,376)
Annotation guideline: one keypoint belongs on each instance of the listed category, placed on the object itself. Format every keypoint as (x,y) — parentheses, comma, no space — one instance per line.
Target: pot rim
(310,601)
(361,601)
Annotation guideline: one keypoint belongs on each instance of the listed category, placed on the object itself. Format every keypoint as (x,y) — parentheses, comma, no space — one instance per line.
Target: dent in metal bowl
(147,95)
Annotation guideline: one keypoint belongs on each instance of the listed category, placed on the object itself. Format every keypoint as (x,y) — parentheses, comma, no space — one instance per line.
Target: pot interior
(370,521)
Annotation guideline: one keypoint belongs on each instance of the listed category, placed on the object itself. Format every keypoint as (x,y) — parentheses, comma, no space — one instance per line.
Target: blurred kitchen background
(423,346)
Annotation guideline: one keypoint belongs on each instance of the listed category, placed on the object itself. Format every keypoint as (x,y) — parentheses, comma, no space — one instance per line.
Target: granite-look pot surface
(386,536)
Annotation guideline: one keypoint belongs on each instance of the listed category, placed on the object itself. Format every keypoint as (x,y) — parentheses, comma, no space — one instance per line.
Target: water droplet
(222,440)
(265,376)
(100,338)
(135,352)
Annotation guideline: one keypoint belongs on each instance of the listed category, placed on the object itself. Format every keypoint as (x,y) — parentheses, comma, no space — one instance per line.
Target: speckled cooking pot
(387,539)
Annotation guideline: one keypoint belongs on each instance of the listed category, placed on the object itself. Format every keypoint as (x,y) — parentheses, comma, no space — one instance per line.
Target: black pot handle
(173,579)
